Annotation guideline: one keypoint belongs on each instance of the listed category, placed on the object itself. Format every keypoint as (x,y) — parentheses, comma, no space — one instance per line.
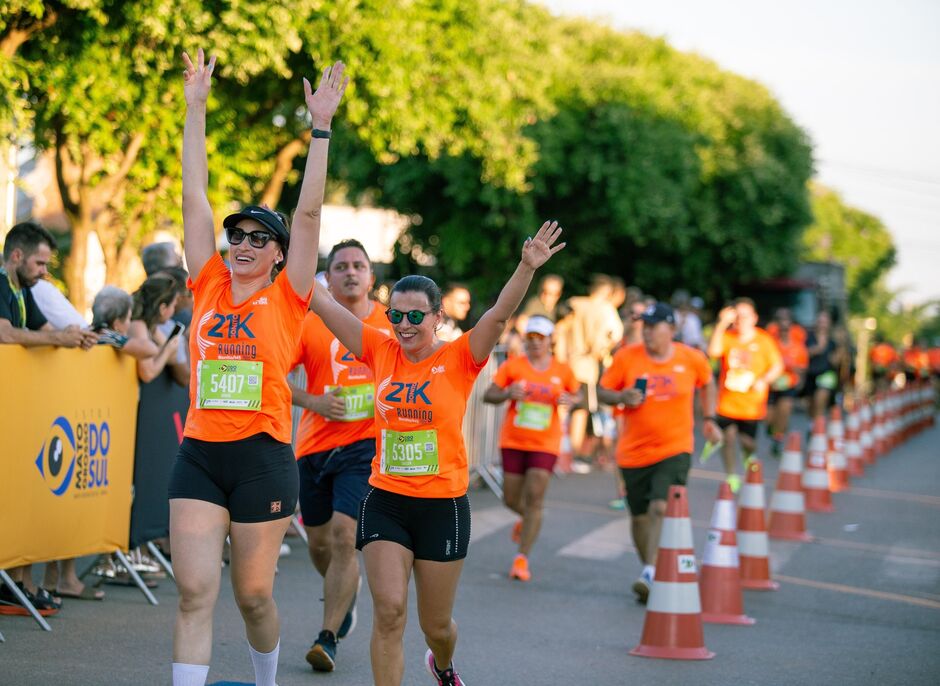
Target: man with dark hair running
(336,444)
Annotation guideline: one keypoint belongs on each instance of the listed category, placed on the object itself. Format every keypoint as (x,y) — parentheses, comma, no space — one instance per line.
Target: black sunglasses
(414,316)
(257,239)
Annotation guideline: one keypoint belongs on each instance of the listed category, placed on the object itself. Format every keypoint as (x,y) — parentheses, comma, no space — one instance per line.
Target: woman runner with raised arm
(235,473)
(416,515)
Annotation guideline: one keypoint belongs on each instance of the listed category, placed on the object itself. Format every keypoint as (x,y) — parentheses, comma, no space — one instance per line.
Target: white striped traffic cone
(787,519)
(854,456)
(753,546)
(866,439)
(815,478)
(838,467)
(672,628)
(722,600)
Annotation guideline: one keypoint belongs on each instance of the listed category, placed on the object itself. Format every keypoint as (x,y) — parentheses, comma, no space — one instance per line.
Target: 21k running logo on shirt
(227,326)
(412,395)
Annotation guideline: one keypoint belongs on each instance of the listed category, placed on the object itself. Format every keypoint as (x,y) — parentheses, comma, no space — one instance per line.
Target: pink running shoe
(448,677)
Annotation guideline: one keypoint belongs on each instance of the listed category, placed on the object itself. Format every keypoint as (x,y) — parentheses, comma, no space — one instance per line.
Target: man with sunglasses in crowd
(336,444)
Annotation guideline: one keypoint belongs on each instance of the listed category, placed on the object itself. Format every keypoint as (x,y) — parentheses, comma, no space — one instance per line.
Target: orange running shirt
(883,356)
(419,411)
(241,356)
(328,364)
(534,424)
(662,426)
(933,355)
(741,365)
(795,358)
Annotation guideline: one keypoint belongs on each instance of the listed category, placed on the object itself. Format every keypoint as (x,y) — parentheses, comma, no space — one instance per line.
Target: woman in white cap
(536,384)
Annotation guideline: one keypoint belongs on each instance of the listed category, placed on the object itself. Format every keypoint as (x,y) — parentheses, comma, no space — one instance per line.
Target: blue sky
(863,78)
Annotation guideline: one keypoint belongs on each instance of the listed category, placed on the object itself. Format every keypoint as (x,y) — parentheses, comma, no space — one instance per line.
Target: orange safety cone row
(722,599)
(835,457)
(753,546)
(815,477)
(853,448)
(878,430)
(891,423)
(787,519)
(672,628)
(866,439)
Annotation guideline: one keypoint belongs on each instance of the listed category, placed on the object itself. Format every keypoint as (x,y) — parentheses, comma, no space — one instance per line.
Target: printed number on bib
(359,399)
(229,384)
(535,416)
(739,380)
(409,453)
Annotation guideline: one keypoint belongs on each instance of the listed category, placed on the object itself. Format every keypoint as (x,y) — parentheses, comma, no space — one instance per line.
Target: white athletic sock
(649,570)
(189,675)
(265,665)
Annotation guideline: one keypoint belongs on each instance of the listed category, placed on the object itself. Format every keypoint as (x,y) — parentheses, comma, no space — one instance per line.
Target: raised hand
(538,249)
(323,103)
(197,80)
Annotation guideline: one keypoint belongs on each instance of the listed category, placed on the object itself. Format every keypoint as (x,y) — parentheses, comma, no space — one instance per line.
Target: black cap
(658,312)
(269,218)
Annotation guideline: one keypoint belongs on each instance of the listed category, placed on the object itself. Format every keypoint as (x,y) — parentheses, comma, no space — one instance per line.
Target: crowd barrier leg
(5,578)
(299,528)
(119,554)
(491,480)
(159,557)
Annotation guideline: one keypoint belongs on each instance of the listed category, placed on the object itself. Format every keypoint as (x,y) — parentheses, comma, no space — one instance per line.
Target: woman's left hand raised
(323,102)
(538,249)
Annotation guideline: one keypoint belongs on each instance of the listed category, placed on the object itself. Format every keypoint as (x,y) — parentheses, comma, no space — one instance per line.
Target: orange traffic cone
(672,628)
(879,430)
(787,505)
(722,600)
(753,546)
(866,439)
(815,478)
(838,467)
(853,448)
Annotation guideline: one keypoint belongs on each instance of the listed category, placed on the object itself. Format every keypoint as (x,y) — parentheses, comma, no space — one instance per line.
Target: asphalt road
(861,605)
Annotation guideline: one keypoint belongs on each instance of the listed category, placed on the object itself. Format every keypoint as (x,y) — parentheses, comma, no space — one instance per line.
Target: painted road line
(489,520)
(879,549)
(854,590)
(608,542)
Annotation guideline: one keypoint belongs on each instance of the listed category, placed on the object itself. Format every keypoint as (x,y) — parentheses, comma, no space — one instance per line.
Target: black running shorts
(748,427)
(652,481)
(436,529)
(254,478)
(335,481)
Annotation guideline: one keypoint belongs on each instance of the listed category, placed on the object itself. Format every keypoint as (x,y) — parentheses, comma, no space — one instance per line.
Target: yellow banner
(68,423)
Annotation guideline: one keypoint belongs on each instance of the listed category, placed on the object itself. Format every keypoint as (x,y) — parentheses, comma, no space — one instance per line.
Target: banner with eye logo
(68,426)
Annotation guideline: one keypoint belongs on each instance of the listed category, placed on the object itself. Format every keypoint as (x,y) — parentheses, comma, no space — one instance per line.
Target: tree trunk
(282,166)
(82,227)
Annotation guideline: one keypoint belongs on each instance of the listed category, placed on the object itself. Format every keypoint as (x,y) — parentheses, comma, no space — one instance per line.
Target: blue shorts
(335,481)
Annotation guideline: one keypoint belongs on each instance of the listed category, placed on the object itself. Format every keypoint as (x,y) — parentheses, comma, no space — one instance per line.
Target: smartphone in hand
(640,385)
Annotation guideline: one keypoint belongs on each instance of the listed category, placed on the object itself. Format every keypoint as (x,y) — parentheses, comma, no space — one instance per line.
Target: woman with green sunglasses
(416,516)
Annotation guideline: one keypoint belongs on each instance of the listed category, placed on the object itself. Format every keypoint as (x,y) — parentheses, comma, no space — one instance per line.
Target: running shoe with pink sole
(448,677)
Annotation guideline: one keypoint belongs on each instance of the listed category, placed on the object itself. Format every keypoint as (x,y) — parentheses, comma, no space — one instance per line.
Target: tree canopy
(476,118)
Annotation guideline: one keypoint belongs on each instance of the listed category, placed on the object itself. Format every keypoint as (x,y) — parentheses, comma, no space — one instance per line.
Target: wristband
(320,133)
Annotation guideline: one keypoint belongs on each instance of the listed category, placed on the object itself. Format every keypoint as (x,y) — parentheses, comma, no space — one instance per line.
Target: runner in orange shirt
(750,363)
(235,473)
(653,384)
(416,516)
(791,340)
(884,363)
(336,444)
(535,384)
